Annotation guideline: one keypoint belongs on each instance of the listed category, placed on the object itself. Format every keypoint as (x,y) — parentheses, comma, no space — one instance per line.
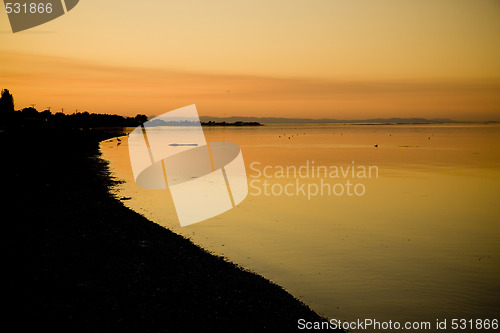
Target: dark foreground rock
(78,260)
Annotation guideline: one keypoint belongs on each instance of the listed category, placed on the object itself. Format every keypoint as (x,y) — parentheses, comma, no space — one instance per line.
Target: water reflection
(421,243)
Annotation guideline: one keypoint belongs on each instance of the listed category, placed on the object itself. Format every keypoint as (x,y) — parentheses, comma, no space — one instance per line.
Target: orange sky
(315,59)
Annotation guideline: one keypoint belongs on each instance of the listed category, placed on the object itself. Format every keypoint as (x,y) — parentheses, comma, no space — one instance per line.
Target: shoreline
(79,259)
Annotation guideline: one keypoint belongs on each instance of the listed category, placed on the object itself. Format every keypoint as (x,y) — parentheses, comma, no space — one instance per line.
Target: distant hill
(273,120)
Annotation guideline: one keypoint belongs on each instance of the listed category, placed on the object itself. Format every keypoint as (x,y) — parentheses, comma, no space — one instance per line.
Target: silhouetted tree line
(159,122)
(237,123)
(31,118)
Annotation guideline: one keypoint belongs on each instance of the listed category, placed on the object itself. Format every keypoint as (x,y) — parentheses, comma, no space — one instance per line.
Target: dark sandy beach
(78,260)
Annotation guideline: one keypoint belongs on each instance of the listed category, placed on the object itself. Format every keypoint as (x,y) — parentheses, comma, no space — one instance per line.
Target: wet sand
(78,260)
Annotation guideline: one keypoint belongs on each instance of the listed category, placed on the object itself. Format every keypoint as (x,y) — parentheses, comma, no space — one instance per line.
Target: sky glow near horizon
(307,59)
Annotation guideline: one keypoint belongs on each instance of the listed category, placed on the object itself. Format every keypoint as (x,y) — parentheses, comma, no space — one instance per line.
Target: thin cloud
(128,90)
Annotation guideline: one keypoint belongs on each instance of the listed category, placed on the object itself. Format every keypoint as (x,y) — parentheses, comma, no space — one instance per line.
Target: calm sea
(388,222)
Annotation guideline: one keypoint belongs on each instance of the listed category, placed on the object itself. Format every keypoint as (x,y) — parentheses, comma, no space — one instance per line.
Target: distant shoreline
(236,123)
(391,121)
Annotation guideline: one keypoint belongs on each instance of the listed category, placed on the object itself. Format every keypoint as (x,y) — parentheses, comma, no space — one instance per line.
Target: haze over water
(419,244)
